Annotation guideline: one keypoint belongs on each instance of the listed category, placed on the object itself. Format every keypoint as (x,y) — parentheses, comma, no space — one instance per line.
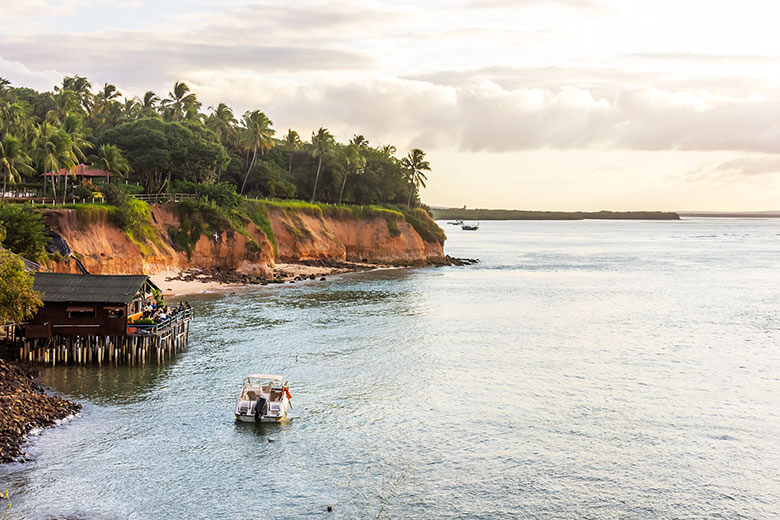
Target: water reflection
(107,384)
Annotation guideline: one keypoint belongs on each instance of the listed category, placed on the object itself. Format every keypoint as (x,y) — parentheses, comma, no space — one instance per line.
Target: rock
(322,279)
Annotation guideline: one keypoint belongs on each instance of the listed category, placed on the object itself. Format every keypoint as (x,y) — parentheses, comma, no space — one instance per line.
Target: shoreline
(26,406)
(186,282)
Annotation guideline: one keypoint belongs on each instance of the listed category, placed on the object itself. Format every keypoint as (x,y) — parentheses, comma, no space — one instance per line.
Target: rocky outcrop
(104,248)
(24,405)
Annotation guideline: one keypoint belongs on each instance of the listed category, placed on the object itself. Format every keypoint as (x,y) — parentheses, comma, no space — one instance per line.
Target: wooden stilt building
(91,319)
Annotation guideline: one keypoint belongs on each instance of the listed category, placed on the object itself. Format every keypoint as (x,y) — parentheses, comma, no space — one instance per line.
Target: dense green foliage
(158,142)
(514,214)
(25,233)
(18,300)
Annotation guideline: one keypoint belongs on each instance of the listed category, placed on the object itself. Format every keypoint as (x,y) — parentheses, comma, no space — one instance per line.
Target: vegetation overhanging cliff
(248,237)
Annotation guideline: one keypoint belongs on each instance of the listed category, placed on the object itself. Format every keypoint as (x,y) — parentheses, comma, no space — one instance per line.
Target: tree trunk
(251,165)
(65,190)
(343,183)
(289,167)
(316,179)
(53,188)
(411,190)
(5,177)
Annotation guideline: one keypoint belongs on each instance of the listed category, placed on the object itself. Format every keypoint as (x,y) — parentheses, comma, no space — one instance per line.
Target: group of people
(160,313)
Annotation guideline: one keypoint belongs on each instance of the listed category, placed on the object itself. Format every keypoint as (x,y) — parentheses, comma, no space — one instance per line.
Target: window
(80,312)
(114,313)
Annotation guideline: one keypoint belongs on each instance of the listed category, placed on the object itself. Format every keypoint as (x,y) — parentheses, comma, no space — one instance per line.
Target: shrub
(256,212)
(421,221)
(197,217)
(223,194)
(25,233)
(19,301)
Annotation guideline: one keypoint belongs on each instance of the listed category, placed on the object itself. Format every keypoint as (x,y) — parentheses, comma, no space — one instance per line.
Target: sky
(527,104)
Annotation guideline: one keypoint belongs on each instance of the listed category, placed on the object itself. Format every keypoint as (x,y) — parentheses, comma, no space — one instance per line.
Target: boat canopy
(267,377)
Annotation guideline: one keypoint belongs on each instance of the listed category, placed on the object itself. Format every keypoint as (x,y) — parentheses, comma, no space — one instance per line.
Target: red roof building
(82,170)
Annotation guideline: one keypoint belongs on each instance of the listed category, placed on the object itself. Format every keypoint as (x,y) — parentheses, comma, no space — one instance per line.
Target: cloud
(124,56)
(750,166)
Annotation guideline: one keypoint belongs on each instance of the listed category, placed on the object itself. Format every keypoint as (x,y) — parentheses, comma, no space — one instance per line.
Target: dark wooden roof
(89,288)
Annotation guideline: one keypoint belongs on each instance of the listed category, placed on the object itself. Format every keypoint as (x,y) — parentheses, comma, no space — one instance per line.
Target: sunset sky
(535,104)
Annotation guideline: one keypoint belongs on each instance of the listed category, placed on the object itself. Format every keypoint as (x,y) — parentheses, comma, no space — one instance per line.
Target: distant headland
(516,214)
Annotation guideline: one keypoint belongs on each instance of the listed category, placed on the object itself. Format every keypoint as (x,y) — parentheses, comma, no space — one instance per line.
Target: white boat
(470,227)
(264,398)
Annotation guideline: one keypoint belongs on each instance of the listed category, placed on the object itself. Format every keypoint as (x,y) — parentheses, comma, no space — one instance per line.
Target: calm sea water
(583,370)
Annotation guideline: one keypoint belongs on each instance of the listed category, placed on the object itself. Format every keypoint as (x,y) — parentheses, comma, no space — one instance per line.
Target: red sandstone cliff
(105,248)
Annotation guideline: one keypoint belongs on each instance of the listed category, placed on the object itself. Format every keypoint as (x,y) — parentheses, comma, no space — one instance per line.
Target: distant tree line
(160,141)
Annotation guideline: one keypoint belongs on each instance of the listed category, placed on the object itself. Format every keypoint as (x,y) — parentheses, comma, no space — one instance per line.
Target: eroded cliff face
(301,236)
(104,248)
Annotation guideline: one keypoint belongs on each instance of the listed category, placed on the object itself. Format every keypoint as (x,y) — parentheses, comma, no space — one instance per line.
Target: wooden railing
(154,328)
(163,197)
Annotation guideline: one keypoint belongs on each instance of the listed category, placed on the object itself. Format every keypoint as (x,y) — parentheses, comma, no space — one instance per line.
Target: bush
(83,192)
(197,217)
(25,233)
(421,221)
(116,194)
(222,194)
(19,301)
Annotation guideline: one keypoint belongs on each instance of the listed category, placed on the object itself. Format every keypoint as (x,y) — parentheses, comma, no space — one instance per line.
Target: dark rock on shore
(459,262)
(25,405)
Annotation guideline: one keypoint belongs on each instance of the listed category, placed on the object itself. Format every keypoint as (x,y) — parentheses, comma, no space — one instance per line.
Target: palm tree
(13,161)
(413,165)
(109,159)
(257,135)
(223,123)
(82,88)
(53,150)
(292,141)
(149,104)
(388,150)
(65,101)
(73,126)
(355,161)
(323,142)
(179,103)
(14,120)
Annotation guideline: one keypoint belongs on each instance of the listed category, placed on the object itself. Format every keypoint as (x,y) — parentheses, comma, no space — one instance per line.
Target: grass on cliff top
(418,218)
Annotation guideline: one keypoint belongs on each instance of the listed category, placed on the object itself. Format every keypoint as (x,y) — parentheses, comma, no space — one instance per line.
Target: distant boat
(458,222)
(469,227)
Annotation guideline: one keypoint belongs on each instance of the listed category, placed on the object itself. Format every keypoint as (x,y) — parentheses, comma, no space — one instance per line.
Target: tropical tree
(18,300)
(74,127)
(13,161)
(14,119)
(413,166)
(180,103)
(81,87)
(109,158)
(149,104)
(222,122)
(257,135)
(65,102)
(292,142)
(53,150)
(355,161)
(323,142)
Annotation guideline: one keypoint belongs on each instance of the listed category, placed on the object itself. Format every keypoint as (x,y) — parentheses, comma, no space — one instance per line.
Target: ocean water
(596,369)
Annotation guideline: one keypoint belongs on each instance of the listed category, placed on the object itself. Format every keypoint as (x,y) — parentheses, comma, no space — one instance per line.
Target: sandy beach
(194,281)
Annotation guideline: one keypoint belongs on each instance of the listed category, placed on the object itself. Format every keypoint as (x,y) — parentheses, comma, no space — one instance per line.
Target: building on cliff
(91,318)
